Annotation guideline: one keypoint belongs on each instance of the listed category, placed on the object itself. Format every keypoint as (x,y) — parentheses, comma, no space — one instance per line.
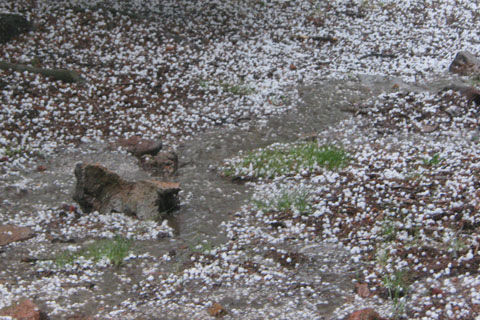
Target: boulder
(163,164)
(11,25)
(11,233)
(99,189)
(24,310)
(465,63)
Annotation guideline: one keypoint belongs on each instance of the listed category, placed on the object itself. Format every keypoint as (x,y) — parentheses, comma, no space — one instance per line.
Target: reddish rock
(41,168)
(362,290)
(11,233)
(99,189)
(139,147)
(465,63)
(216,310)
(25,310)
(436,291)
(365,314)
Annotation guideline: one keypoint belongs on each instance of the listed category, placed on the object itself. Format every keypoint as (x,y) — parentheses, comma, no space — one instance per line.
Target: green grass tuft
(287,159)
(287,200)
(433,161)
(115,250)
(237,89)
(397,284)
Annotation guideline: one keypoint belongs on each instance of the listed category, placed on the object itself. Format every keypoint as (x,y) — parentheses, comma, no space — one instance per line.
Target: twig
(379,55)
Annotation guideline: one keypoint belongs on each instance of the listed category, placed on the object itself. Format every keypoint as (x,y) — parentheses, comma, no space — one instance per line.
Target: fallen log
(68,76)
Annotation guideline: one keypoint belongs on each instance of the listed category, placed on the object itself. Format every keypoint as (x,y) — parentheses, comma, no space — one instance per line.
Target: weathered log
(68,76)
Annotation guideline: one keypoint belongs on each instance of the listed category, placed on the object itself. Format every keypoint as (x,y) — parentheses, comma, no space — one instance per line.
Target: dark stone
(99,189)
(465,63)
(140,147)
(11,25)
(472,94)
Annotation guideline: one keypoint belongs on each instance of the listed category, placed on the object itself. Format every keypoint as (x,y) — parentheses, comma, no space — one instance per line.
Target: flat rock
(465,63)
(99,189)
(11,233)
(24,310)
(139,147)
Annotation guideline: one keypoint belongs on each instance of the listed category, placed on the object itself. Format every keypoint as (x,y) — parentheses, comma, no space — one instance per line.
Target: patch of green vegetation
(433,161)
(201,246)
(475,80)
(415,233)
(288,200)
(278,100)
(389,230)
(203,83)
(237,89)
(15,151)
(288,159)
(456,245)
(115,250)
(382,257)
(397,284)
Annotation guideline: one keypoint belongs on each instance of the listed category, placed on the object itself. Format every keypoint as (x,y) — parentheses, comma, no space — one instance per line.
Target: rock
(11,233)
(163,164)
(216,310)
(465,63)
(99,189)
(471,93)
(362,290)
(24,310)
(139,147)
(41,168)
(11,25)
(365,314)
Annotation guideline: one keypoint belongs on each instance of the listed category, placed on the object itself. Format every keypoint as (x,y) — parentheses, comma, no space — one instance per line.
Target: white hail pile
(177,68)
